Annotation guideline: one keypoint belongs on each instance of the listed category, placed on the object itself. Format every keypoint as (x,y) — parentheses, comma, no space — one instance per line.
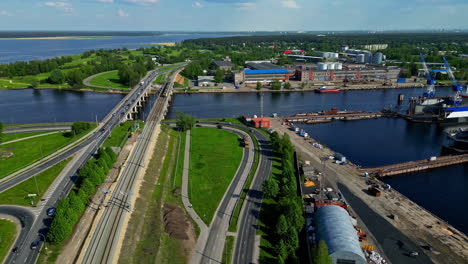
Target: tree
(79,127)
(320,254)
(287,85)
(276,85)
(303,85)
(184,122)
(56,77)
(259,86)
(282,227)
(34,83)
(270,188)
(59,229)
(1,128)
(219,76)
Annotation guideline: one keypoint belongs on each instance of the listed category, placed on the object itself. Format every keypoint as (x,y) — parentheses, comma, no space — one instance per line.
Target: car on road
(51,211)
(34,244)
(219,126)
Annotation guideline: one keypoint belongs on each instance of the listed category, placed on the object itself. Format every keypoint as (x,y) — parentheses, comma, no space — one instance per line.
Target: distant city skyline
(233,15)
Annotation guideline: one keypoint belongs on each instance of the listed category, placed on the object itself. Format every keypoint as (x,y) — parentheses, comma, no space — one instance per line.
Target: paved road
(42,223)
(36,129)
(26,138)
(246,248)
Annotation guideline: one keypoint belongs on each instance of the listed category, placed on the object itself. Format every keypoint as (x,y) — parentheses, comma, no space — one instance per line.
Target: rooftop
(262,66)
(223,63)
(272,71)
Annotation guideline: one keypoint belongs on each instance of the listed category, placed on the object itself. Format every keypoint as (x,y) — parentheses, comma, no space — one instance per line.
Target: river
(368,143)
(38,49)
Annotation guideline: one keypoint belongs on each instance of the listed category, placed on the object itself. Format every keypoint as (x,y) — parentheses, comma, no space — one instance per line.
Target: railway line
(103,243)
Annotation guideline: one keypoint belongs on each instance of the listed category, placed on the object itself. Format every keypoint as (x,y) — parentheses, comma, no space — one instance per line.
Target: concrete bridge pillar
(129,116)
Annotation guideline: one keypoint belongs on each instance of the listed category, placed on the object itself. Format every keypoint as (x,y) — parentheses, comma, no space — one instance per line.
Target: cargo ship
(324,89)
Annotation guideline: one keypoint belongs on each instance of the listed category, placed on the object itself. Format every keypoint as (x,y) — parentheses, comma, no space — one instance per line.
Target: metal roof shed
(335,228)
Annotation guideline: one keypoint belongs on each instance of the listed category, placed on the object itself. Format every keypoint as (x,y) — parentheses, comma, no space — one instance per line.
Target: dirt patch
(179,79)
(4,154)
(175,222)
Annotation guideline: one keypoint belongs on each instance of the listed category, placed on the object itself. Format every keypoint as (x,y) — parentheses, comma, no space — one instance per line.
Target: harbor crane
(430,92)
(457,88)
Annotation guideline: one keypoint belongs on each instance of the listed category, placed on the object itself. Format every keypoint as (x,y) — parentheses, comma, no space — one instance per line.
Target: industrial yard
(391,212)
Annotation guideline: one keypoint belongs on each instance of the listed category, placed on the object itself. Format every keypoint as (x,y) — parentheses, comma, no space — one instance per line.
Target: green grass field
(119,135)
(15,136)
(18,195)
(215,156)
(228,250)
(110,79)
(7,237)
(31,150)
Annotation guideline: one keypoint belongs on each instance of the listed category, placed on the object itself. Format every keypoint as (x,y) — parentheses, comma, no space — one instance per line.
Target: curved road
(87,82)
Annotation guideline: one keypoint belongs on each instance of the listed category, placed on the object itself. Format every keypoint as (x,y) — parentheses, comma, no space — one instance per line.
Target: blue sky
(232,15)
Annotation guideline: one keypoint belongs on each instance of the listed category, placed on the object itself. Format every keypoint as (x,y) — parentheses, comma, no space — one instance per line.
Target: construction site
(388,223)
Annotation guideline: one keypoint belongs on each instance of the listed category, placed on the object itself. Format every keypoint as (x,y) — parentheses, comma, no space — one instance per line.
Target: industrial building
(257,122)
(224,64)
(374,47)
(334,226)
(261,72)
(338,72)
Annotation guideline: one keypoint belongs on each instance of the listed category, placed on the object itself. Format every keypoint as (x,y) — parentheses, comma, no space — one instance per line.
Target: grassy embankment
(9,137)
(18,126)
(7,237)
(119,135)
(31,150)
(228,250)
(215,156)
(110,79)
(146,240)
(18,195)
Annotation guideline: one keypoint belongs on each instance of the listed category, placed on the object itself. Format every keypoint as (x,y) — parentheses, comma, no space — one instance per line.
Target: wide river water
(38,49)
(367,142)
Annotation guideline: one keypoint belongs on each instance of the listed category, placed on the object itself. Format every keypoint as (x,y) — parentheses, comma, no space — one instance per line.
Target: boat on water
(324,89)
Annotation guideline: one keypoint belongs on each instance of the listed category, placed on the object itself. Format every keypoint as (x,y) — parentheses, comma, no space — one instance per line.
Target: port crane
(457,88)
(430,92)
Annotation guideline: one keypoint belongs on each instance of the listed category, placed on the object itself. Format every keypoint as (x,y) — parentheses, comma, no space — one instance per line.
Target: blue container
(401,80)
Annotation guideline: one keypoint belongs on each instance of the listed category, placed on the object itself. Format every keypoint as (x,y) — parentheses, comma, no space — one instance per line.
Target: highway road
(39,228)
(103,243)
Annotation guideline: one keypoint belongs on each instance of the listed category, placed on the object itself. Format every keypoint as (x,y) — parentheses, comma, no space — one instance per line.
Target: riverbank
(413,221)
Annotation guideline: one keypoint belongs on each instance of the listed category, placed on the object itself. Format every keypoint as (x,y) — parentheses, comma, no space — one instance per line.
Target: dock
(328,116)
(418,165)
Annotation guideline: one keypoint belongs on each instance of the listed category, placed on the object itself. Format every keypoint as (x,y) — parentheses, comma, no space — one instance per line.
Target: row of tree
(70,209)
(21,68)
(288,204)
(1,132)
(79,127)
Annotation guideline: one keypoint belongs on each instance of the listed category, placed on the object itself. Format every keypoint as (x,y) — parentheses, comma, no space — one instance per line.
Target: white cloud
(144,2)
(246,6)
(197,4)
(121,13)
(289,4)
(67,7)
(106,1)
(5,13)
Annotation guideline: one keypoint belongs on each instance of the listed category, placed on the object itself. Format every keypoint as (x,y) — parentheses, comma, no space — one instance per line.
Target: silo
(322,66)
(334,55)
(338,66)
(377,58)
(326,54)
(331,66)
(360,58)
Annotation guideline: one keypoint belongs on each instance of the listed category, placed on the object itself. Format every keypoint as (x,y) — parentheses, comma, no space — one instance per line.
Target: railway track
(104,241)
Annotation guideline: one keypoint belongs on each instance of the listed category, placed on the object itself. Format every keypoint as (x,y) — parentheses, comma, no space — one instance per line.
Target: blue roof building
(333,225)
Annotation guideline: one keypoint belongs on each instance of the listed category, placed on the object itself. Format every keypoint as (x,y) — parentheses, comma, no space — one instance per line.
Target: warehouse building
(261,72)
(224,64)
(334,226)
(340,73)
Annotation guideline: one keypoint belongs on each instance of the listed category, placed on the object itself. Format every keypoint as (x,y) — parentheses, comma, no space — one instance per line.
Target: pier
(418,165)
(333,114)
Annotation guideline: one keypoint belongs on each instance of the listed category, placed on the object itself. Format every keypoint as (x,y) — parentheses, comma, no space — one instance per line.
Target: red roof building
(261,122)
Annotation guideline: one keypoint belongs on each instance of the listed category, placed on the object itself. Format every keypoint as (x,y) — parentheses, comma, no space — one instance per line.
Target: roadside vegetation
(228,250)
(151,236)
(69,209)
(7,237)
(38,184)
(119,135)
(215,156)
(281,217)
(17,155)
